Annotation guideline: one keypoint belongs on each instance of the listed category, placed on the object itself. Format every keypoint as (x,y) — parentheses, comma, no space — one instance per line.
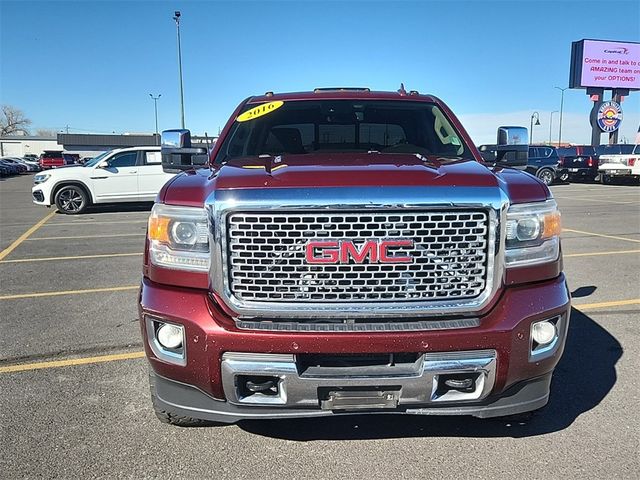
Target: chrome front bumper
(421,382)
(319,396)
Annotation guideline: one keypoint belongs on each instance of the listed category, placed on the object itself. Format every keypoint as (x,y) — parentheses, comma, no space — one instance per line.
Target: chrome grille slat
(266,256)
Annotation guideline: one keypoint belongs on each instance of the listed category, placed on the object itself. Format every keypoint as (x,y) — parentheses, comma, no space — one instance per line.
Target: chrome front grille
(266,256)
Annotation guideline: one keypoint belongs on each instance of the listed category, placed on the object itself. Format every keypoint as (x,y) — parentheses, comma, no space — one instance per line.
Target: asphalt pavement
(78,405)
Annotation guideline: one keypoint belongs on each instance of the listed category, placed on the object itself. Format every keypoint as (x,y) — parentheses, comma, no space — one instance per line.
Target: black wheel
(71,199)
(546,176)
(605,179)
(172,418)
(564,177)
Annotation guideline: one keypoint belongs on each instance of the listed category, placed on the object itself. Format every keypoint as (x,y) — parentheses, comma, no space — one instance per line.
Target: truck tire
(605,179)
(71,199)
(546,175)
(172,418)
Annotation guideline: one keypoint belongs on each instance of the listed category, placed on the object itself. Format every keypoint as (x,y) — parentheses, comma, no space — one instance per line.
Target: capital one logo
(621,50)
(330,252)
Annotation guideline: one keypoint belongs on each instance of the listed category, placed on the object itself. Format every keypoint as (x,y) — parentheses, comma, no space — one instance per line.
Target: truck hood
(352,170)
(348,170)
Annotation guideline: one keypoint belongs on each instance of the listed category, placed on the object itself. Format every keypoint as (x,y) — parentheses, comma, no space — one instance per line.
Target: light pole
(155,107)
(551,123)
(561,107)
(176,17)
(536,116)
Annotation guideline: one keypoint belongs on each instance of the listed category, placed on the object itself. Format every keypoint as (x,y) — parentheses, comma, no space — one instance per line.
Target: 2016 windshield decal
(259,111)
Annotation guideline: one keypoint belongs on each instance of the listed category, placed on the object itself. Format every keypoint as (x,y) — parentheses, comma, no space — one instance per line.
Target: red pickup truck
(51,159)
(345,251)
(54,159)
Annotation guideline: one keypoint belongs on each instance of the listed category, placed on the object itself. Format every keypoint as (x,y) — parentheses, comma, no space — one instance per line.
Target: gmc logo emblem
(345,251)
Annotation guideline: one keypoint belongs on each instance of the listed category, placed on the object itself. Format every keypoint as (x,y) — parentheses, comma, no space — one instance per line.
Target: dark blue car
(544,163)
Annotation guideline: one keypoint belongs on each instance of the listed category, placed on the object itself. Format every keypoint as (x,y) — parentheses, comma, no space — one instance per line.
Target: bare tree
(13,121)
(44,132)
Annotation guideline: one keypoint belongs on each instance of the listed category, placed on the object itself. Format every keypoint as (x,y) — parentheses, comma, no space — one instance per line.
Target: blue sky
(92,64)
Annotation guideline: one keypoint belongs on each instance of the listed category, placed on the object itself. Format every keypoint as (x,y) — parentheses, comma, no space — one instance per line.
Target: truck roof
(343,93)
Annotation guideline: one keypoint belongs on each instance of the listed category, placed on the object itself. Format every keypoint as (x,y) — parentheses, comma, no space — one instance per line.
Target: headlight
(41,178)
(179,238)
(533,233)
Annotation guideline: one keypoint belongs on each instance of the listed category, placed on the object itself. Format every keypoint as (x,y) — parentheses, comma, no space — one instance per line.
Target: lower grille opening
(352,365)
(356,325)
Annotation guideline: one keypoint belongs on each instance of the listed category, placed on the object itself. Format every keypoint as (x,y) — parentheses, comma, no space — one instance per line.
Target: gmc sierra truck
(346,251)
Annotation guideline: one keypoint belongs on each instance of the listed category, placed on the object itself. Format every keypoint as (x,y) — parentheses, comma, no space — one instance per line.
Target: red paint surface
(210,332)
(349,170)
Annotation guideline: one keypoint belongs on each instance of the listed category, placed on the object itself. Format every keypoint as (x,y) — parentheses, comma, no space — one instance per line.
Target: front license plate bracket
(360,399)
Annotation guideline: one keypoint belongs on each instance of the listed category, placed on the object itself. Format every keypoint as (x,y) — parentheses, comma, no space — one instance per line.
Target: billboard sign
(605,64)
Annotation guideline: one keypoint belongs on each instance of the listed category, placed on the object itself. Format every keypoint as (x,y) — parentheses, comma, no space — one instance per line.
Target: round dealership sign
(609,116)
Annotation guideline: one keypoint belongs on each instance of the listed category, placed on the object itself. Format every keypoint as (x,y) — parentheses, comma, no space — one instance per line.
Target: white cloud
(575,126)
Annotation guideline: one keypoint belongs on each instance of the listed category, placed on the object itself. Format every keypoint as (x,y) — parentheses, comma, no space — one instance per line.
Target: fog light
(169,336)
(543,332)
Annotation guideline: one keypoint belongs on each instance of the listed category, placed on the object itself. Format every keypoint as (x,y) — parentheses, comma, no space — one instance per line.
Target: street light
(535,115)
(176,17)
(551,123)
(155,107)
(561,107)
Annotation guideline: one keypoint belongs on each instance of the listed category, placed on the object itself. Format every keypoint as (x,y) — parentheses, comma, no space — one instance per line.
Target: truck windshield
(337,126)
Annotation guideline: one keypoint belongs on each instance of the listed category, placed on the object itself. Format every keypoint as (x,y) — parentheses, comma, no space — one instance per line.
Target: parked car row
(16,166)
(578,162)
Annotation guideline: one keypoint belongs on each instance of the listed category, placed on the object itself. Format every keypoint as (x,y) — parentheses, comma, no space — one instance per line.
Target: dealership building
(83,144)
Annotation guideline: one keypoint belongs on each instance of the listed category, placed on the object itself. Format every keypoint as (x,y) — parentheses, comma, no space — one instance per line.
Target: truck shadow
(584,377)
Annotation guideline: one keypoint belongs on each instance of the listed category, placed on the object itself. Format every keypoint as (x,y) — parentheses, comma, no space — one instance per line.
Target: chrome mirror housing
(177,153)
(178,138)
(512,147)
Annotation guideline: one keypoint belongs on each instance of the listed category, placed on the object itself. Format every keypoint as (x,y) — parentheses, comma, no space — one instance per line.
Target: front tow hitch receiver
(458,386)
(259,385)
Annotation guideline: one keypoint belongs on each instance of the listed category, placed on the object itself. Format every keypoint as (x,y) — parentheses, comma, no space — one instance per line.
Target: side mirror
(177,153)
(512,149)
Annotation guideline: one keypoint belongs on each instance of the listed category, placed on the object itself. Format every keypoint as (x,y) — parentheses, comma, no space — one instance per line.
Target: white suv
(122,175)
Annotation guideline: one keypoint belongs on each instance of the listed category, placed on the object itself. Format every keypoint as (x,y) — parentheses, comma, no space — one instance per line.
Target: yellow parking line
(617,303)
(68,292)
(72,237)
(25,235)
(593,254)
(591,234)
(77,257)
(69,363)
